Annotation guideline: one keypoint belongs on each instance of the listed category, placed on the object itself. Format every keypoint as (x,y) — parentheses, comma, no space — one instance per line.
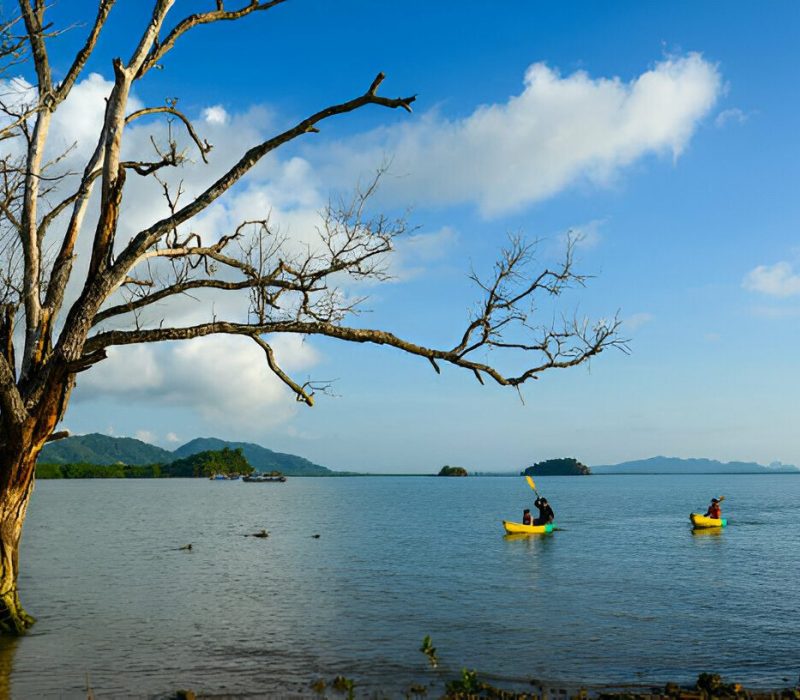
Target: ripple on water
(625,592)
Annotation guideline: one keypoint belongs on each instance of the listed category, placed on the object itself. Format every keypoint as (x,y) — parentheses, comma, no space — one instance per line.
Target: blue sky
(692,233)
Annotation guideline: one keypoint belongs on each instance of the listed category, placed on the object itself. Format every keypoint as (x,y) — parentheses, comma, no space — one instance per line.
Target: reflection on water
(706,531)
(614,593)
(8,647)
(527,536)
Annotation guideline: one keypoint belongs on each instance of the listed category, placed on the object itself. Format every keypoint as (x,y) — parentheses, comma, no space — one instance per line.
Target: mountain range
(676,465)
(95,448)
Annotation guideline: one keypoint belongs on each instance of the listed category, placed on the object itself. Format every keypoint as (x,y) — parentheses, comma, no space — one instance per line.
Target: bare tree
(287,288)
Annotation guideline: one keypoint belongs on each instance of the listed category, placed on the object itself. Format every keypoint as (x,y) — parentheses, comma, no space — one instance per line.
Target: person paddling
(546,514)
(714,510)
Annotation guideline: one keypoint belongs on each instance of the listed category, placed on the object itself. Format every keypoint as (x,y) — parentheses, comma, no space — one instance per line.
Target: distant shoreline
(411,474)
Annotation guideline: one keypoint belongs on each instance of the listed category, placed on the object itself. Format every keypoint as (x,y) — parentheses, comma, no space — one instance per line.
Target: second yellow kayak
(702,521)
(519,528)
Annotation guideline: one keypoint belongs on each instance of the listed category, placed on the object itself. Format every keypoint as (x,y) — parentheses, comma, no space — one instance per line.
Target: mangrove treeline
(203,464)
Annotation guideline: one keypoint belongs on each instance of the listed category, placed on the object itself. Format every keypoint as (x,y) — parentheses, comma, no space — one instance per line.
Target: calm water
(624,593)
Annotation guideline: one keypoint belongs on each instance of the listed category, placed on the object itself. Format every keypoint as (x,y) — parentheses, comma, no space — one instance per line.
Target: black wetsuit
(546,514)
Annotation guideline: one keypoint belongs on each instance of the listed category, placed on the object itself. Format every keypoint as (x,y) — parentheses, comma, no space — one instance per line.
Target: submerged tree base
(13,617)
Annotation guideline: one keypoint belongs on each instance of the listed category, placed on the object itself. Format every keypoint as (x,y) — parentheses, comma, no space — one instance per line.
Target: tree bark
(15,492)
(20,445)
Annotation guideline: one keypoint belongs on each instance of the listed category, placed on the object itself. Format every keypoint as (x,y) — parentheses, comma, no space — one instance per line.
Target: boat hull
(702,521)
(520,529)
(258,479)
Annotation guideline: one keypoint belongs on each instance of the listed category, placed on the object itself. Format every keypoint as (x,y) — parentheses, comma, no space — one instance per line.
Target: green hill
(261,458)
(103,449)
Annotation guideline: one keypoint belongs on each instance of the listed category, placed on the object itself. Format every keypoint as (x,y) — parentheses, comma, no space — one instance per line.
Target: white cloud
(727,116)
(215,115)
(145,436)
(778,280)
(172,438)
(225,379)
(416,252)
(584,236)
(556,132)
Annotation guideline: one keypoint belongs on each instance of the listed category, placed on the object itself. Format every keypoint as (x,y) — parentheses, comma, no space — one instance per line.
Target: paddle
(531,483)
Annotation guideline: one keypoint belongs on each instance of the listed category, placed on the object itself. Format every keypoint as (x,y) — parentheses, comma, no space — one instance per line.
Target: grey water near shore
(624,592)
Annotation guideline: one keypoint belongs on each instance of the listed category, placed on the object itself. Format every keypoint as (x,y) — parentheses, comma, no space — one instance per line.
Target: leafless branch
(220,14)
(300,391)
(202,145)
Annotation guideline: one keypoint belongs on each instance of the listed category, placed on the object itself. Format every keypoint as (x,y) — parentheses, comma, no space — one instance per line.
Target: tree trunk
(16,488)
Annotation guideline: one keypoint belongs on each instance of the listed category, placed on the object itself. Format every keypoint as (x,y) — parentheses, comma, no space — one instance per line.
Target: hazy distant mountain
(262,459)
(104,449)
(675,465)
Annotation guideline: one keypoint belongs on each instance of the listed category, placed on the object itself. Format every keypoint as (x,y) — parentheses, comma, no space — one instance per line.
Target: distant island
(452,471)
(566,466)
(82,453)
(676,465)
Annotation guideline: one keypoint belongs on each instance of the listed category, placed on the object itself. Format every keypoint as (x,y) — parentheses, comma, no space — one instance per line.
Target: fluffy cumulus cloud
(215,115)
(226,379)
(778,280)
(557,131)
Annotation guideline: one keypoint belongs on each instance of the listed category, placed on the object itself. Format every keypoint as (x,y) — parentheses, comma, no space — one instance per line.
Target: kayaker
(526,516)
(714,510)
(546,514)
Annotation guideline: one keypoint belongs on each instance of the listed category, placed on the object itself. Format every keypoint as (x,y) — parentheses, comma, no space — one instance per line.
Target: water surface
(625,592)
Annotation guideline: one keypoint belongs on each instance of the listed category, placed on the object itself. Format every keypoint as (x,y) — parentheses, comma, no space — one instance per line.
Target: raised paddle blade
(530,482)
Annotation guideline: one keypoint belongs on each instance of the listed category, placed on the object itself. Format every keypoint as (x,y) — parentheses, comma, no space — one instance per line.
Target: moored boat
(263,478)
(519,528)
(702,521)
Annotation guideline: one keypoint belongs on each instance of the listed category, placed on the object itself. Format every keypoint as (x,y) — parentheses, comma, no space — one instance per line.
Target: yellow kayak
(519,528)
(702,521)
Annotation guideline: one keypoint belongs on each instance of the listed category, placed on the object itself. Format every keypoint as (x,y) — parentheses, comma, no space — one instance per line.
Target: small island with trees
(566,466)
(447,470)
